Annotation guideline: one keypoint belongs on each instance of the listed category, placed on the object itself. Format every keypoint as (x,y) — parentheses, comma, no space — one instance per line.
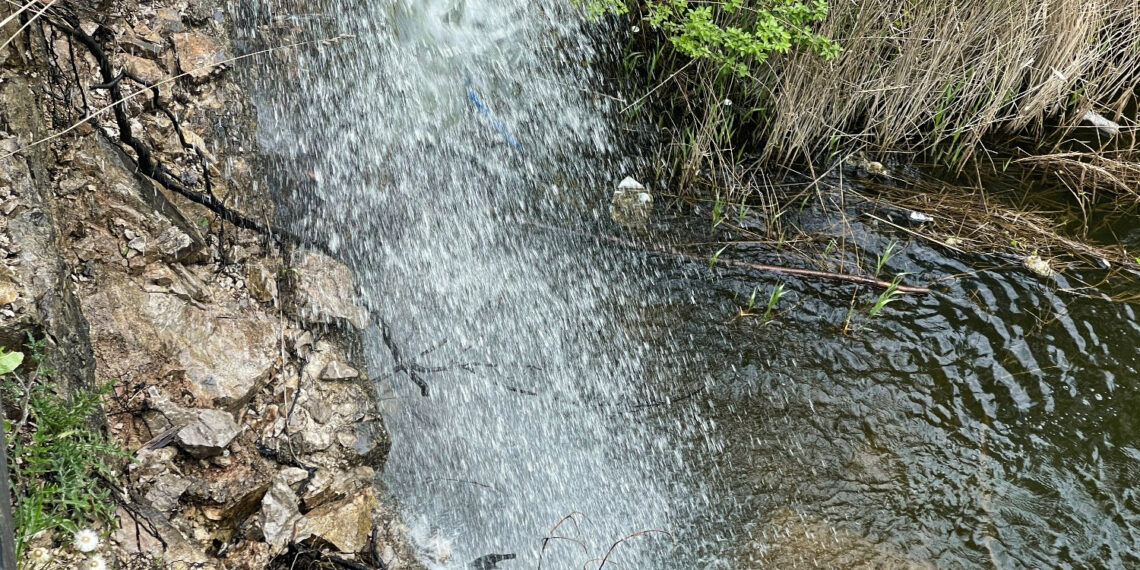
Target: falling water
(425,149)
(435,143)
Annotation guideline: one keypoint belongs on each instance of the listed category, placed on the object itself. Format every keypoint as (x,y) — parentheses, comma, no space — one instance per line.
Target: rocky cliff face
(237,381)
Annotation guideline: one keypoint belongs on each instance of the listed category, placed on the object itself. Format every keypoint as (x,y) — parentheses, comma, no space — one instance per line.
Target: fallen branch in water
(859,279)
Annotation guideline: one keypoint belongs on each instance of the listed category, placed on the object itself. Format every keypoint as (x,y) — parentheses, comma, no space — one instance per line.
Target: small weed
(716,256)
(717,212)
(773,298)
(889,295)
(885,257)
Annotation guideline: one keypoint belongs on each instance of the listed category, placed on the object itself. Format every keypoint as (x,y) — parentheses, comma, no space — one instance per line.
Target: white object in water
(1102,123)
(628,183)
(919,217)
(631,205)
(1039,266)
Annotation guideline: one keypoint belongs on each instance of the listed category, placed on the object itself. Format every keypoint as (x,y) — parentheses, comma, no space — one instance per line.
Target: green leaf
(10,361)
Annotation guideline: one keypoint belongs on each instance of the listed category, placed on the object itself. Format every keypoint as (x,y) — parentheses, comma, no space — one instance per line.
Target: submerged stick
(859,279)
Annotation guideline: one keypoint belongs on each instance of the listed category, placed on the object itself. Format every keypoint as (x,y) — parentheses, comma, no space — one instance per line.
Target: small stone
(138,244)
(337,370)
(198,54)
(345,524)
(279,513)
(143,68)
(9,206)
(916,217)
(8,292)
(209,434)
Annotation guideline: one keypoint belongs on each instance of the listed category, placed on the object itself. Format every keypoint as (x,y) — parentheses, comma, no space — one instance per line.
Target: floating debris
(1039,266)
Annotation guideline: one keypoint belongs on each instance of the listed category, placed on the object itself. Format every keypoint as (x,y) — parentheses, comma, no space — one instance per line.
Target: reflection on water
(991,424)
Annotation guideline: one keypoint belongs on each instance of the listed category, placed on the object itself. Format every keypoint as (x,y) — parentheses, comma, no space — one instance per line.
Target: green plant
(884,257)
(59,462)
(716,256)
(890,294)
(735,34)
(773,298)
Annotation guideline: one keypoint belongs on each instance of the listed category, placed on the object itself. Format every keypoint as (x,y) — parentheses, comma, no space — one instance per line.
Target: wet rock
(369,441)
(307,435)
(345,524)
(337,370)
(489,561)
(795,540)
(261,283)
(631,205)
(301,343)
(324,292)
(209,434)
(198,54)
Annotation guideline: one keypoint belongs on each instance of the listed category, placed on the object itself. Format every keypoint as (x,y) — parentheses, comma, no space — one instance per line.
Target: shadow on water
(991,423)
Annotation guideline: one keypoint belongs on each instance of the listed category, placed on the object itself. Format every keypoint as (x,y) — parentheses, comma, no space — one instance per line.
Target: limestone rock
(143,68)
(209,434)
(337,370)
(631,205)
(324,292)
(280,514)
(198,54)
(166,491)
(301,343)
(224,359)
(345,524)
(174,244)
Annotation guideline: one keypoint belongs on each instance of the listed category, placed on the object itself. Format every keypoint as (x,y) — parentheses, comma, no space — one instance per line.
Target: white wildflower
(40,555)
(86,540)
(635,29)
(727,102)
(95,563)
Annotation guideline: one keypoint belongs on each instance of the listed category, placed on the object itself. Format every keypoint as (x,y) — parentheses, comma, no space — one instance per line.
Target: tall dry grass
(938,76)
(930,77)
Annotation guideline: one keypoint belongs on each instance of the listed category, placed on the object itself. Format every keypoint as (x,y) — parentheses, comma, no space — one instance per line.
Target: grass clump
(59,462)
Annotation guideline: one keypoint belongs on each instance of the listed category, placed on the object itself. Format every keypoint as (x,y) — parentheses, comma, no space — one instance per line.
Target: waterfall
(423,148)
